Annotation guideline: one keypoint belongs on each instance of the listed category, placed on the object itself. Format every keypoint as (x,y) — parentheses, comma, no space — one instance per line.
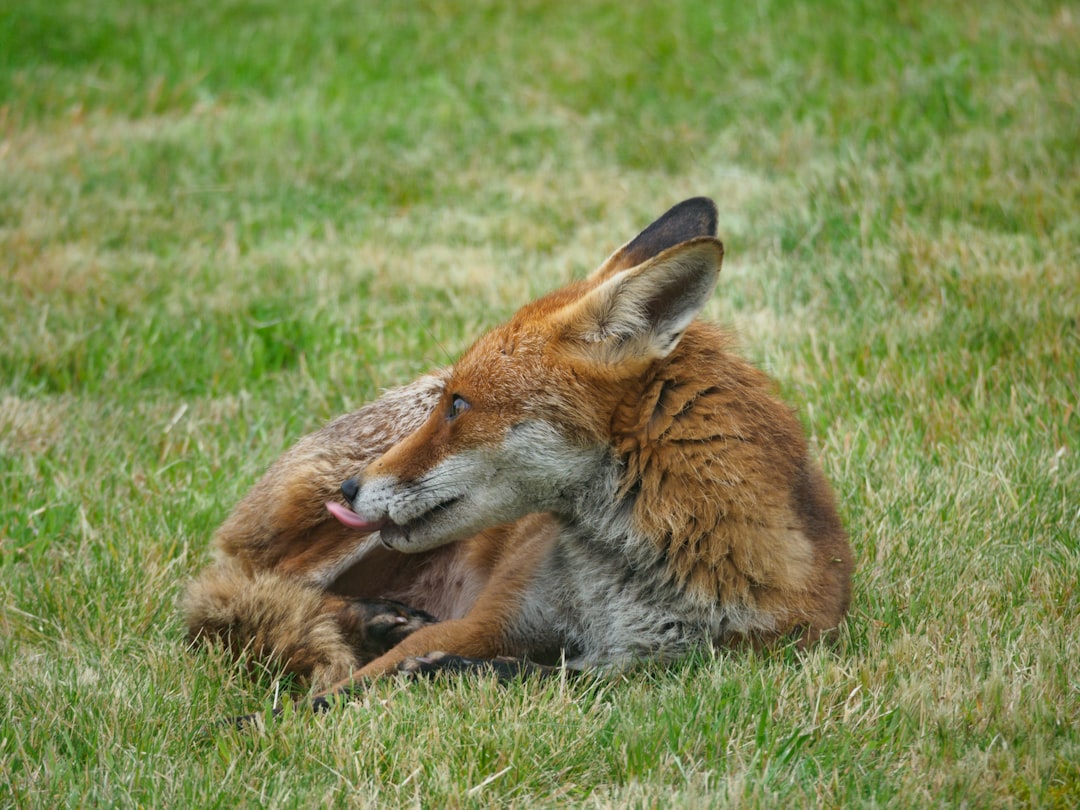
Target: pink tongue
(351,519)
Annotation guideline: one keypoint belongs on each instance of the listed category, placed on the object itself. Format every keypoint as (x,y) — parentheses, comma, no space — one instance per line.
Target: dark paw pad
(373,626)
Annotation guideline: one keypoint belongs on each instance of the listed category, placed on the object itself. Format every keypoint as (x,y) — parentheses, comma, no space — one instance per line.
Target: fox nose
(349,488)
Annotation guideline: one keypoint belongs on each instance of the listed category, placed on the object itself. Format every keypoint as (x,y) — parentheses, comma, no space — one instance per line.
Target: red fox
(599,480)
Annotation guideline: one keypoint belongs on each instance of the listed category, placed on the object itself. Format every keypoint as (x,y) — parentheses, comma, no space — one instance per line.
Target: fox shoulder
(725,482)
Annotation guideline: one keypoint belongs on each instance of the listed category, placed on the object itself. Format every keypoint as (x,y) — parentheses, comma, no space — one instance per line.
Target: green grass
(222,224)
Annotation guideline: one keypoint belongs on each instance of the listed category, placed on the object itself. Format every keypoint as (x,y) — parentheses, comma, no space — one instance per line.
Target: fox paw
(374,626)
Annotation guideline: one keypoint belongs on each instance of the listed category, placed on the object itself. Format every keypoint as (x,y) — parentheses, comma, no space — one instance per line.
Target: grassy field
(223,223)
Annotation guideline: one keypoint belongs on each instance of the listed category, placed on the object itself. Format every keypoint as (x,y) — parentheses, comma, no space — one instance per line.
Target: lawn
(224,223)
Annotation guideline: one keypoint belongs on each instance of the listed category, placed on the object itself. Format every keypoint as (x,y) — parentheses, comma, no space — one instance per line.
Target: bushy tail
(276,619)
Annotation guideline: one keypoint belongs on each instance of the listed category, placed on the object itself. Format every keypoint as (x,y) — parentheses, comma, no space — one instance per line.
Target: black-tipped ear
(688,220)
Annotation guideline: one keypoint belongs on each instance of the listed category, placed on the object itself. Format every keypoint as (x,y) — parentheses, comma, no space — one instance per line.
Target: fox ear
(687,220)
(642,312)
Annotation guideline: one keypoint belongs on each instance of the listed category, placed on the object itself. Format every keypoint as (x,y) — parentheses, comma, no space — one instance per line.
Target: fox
(598,482)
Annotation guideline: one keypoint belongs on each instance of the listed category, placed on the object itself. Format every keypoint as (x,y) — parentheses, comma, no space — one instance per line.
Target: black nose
(349,488)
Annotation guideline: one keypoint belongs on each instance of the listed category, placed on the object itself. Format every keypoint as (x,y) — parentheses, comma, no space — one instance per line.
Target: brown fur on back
(282,522)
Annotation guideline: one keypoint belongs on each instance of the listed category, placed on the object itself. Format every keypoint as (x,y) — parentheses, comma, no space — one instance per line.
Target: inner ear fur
(642,312)
(681,223)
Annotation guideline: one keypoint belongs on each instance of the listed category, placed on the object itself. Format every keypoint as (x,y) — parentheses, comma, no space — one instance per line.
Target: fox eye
(458,406)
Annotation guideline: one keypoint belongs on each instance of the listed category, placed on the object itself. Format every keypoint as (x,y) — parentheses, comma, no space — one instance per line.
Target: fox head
(524,424)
